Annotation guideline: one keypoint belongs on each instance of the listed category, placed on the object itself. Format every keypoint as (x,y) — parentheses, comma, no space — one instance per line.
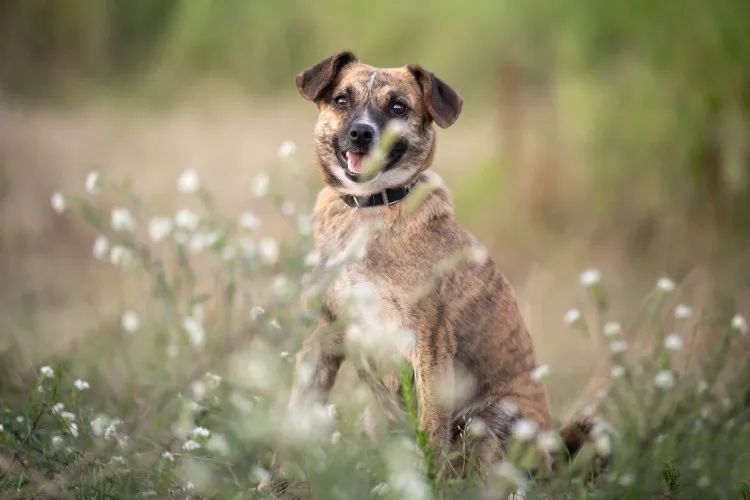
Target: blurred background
(612,135)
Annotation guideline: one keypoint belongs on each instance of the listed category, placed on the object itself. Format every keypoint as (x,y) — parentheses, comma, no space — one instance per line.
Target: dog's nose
(361,134)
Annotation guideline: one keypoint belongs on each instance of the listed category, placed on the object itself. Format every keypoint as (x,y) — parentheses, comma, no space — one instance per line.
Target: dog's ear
(314,81)
(442,102)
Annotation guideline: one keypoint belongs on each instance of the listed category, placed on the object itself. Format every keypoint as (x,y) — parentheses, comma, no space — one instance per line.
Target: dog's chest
(375,322)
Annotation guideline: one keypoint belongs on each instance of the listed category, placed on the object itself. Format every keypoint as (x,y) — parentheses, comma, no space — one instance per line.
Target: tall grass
(187,394)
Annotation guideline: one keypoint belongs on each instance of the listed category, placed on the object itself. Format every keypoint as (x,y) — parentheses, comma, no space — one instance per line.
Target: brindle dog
(472,356)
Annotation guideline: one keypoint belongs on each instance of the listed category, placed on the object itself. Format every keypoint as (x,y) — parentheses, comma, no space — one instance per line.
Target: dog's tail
(592,432)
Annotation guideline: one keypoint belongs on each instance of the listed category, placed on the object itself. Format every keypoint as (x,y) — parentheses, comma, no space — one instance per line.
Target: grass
(187,395)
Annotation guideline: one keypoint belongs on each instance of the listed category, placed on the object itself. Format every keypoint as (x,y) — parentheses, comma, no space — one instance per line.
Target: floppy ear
(442,102)
(314,81)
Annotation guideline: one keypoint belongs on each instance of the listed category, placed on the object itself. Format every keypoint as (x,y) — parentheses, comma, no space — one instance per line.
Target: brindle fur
(468,323)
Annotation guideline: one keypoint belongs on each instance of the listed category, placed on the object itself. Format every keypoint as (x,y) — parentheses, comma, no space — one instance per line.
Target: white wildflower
(284,354)
(190,445)
(572,316)
(682,311)
(268,250)
(99,425)
(201,241)
(81,385)
(702,386)
(541,372)
(249,220)
(201,432)
(188,182)
(409,484)
(187,219)
(58,202)
(260,475)
(57,441)
(664,380)
(130,321)
(548,440)
(195,331)
(261,185)
(68,416)
(287,208)
(618,371)
(603,445)
(335,437)
(380,490)
(287,149)
(618,346)
(511,473)
(2,428)
(673,342)
(111,430)
(122,219)
(118,459)
(189,485)
(665,285)
(256,312)
(739,324)
(213,380)
(281,286)
(20,419)
(101,247)
(58,407)
(92,182)
(612,329)
(167,455)
(312,259)
(47,371)
(524,429)
(590,277)
(146,493)
(703,482)
(159,228)
(274,323)
(121,256)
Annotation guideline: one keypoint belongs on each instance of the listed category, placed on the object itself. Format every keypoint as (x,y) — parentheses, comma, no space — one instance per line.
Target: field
(155,238)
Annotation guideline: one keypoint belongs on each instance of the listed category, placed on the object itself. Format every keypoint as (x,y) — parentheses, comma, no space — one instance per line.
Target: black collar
(387,197)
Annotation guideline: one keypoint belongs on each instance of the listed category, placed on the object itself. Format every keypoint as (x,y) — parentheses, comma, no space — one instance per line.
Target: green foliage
(671,476)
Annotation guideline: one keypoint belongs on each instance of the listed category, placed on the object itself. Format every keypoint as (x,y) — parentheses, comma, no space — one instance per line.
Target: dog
(470,354)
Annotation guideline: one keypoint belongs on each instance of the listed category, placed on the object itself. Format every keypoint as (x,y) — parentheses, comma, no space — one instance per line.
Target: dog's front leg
(433,368)
(317,365)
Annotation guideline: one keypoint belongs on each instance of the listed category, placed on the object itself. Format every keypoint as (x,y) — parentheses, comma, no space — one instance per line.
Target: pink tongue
(354,162)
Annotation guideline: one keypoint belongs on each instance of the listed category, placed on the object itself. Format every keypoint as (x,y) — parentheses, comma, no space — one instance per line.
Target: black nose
(361,134)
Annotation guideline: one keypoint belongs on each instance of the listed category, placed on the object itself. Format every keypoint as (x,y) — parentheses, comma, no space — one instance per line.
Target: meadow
(156,183)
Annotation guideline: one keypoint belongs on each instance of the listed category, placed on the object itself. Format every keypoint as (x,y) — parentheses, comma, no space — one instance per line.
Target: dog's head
(355,103)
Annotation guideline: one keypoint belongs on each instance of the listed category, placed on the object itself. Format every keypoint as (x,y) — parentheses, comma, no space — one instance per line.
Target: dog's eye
(341,101)
(398,109)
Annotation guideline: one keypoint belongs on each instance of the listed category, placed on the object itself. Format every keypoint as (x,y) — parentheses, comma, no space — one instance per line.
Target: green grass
(191,397)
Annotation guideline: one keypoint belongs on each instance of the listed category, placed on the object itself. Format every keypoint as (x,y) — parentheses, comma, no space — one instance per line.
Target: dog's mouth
(353,160)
